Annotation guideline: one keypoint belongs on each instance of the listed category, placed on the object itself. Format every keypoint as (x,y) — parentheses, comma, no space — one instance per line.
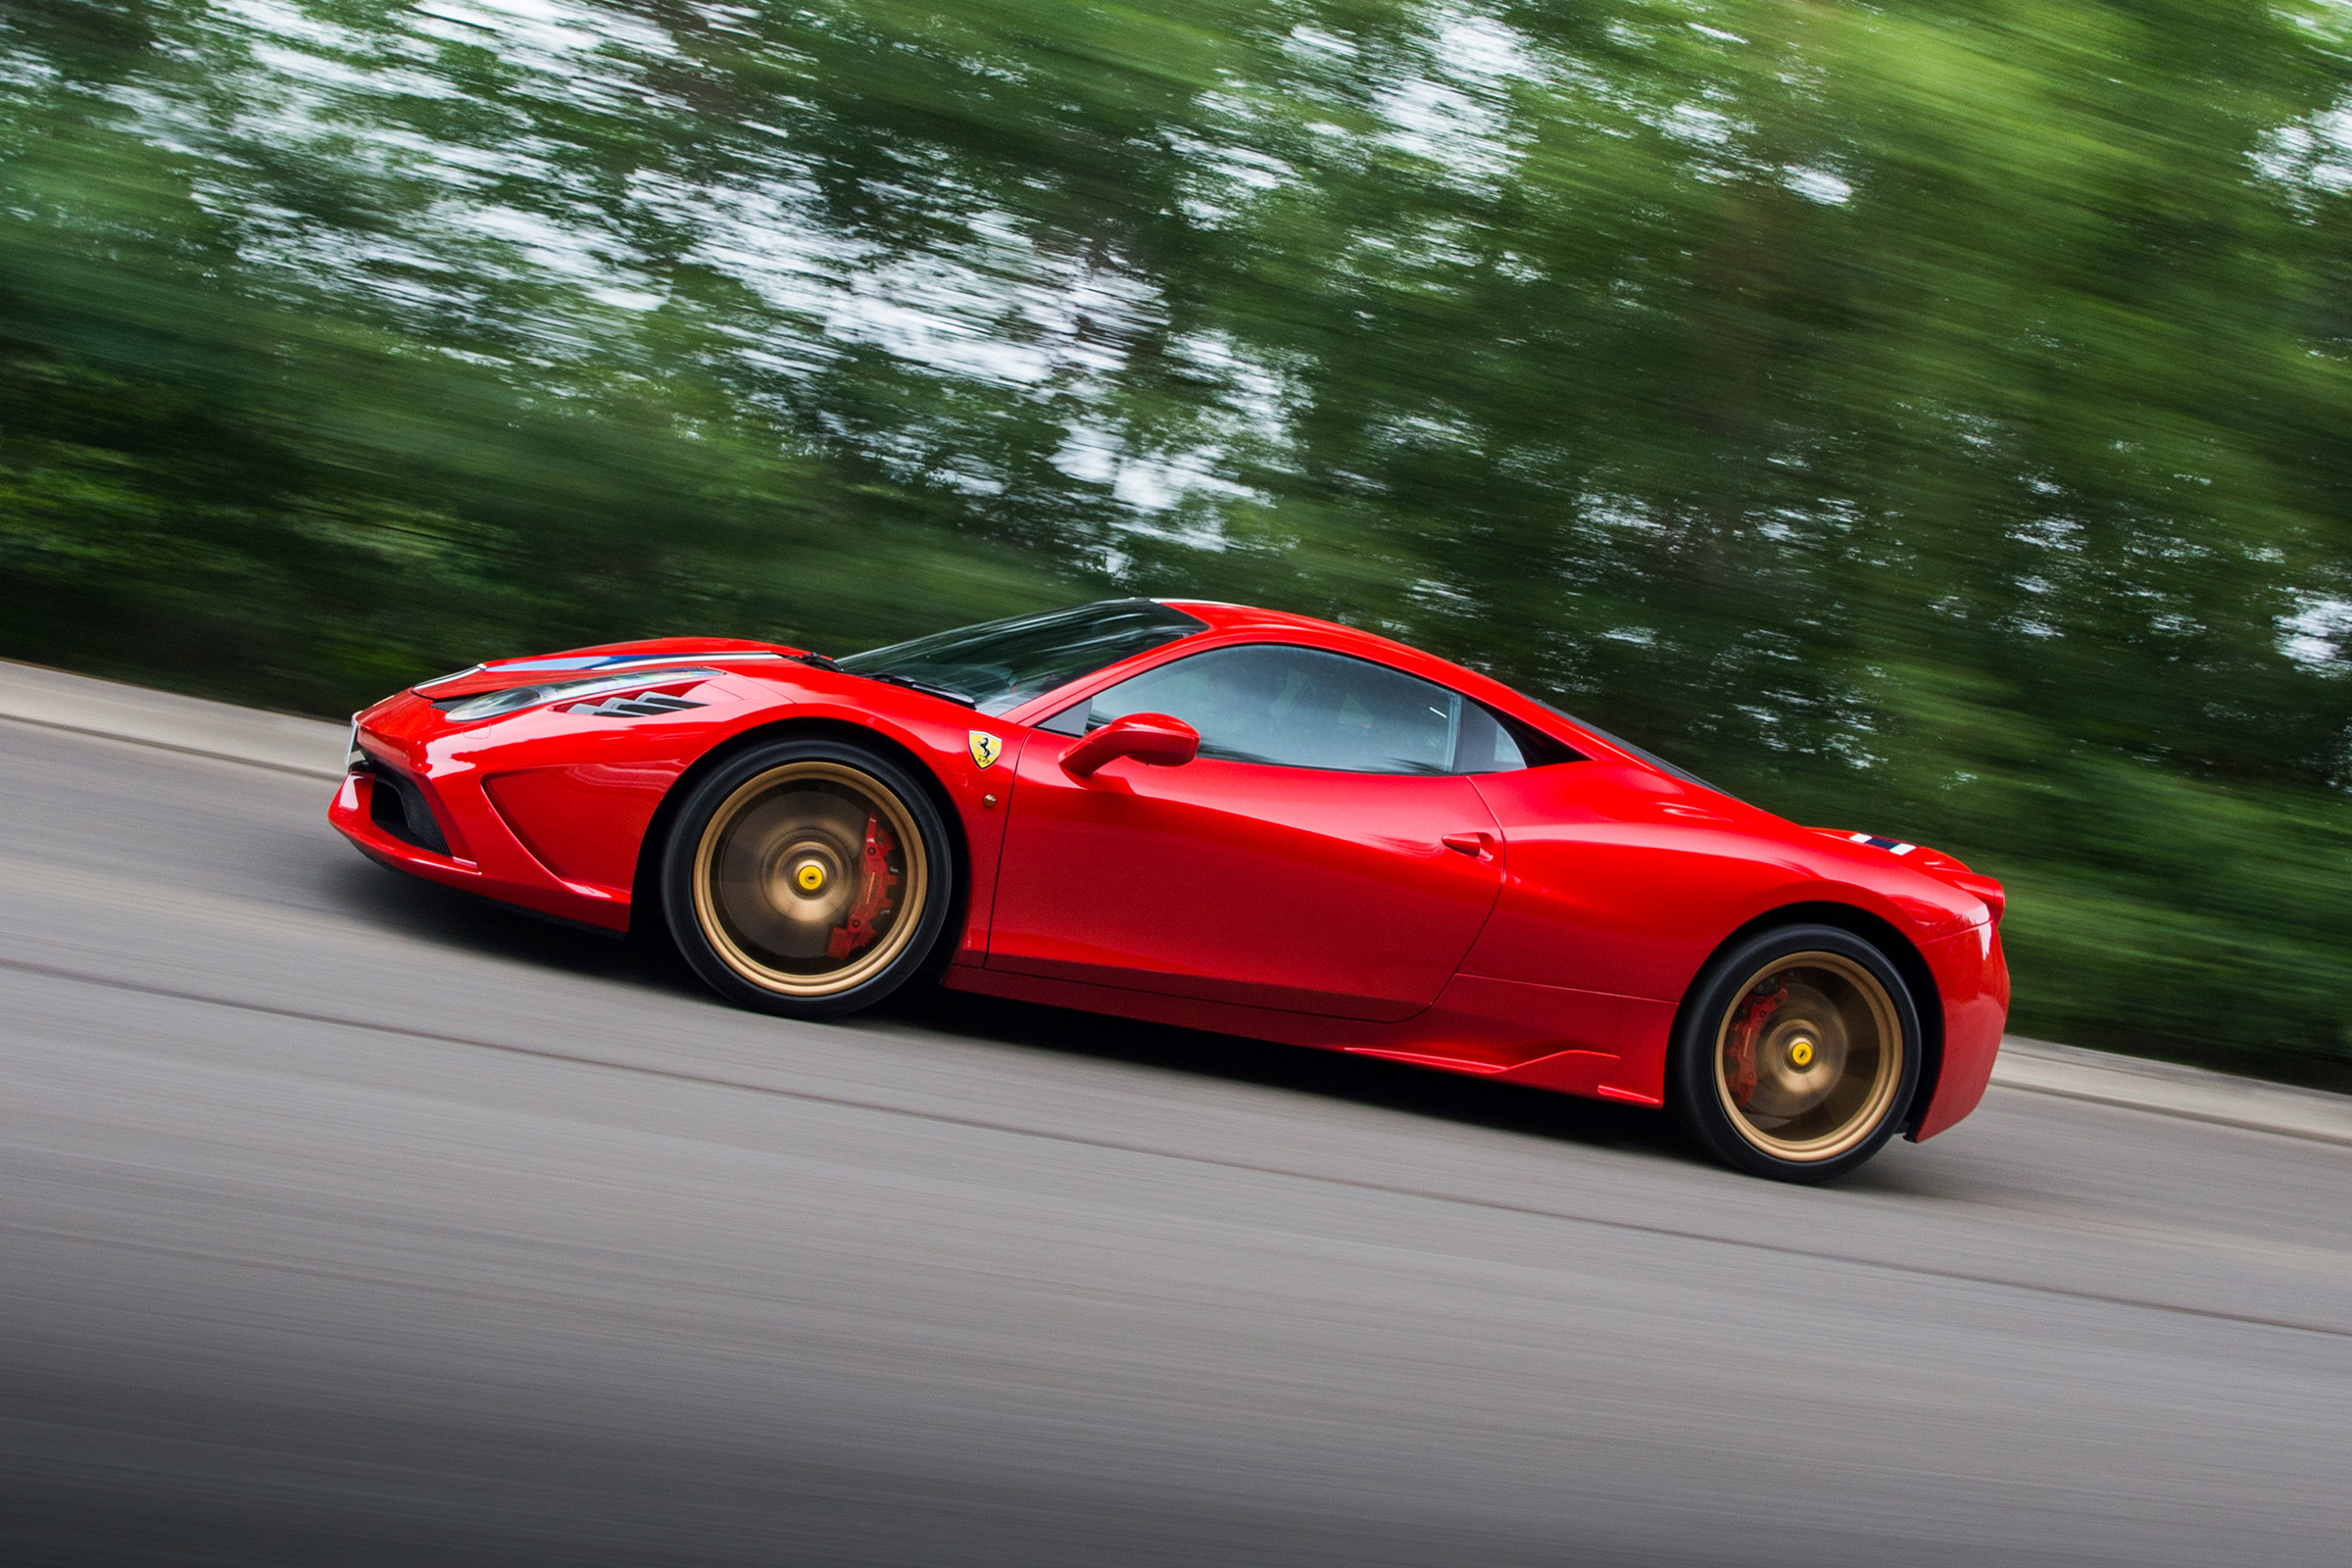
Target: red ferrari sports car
(1219,818)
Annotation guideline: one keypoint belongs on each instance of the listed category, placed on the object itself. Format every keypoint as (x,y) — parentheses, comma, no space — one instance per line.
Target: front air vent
(397,806)
(651,706)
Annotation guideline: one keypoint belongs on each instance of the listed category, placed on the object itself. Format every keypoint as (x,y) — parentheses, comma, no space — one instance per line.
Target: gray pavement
(343,1220)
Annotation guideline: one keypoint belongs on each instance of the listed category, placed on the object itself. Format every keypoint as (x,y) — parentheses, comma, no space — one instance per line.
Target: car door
(1301,862)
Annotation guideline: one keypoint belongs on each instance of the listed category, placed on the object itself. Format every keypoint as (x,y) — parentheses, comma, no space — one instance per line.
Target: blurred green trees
(1923,417)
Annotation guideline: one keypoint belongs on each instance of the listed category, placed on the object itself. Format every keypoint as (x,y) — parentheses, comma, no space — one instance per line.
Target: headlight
(489,704)
(514,699)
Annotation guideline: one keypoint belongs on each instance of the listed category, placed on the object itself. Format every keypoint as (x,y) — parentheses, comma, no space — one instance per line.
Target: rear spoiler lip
(1938,864)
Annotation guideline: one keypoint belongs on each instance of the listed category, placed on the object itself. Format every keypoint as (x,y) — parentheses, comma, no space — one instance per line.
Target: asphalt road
(345,1222)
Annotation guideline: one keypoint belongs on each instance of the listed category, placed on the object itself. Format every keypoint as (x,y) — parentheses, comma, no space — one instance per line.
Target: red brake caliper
(875,883)
(1739,1050)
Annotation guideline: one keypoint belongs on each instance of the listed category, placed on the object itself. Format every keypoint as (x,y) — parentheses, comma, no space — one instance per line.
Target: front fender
(554,807)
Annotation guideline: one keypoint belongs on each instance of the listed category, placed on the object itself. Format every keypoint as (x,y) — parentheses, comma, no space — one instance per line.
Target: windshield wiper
(927,688)
(818,659)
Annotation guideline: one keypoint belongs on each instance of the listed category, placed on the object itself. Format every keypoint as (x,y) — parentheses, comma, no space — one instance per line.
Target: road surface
(344,1221)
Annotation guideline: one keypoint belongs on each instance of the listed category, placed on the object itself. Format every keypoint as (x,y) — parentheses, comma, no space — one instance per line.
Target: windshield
(1002,663)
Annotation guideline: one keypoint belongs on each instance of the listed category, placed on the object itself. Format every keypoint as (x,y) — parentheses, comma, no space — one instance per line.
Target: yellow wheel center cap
(810,877)
(1801,1053)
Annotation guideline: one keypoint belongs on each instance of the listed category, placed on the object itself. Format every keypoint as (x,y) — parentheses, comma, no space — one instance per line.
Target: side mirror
(1152,738)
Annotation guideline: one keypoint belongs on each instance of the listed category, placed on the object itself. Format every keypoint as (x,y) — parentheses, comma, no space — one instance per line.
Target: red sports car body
(1504,891)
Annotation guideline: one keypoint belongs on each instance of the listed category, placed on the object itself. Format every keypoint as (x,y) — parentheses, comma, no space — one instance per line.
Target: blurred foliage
(1923,417)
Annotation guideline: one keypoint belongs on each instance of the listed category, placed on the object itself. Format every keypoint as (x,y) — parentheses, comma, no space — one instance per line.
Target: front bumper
(415,807)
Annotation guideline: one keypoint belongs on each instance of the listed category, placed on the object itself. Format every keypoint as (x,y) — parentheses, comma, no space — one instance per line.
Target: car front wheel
(1797,1054)
(807,878)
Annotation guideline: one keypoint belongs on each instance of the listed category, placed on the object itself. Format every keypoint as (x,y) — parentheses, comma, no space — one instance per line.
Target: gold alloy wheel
(811,879)
(1808,1058)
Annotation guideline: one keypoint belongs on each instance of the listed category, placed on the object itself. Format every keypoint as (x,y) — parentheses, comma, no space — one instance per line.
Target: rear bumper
(1972,977)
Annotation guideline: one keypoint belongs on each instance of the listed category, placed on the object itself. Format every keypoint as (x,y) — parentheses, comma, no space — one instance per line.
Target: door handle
(1477,846)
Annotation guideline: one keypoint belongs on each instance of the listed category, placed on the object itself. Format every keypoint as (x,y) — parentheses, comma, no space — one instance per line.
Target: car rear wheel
(1797,1054)
(808,878)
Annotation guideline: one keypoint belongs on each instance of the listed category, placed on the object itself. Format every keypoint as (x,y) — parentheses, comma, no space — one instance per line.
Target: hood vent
(651,706)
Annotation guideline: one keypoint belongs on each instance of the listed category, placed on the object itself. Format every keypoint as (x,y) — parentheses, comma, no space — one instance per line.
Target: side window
(1303,707)
(1484,746)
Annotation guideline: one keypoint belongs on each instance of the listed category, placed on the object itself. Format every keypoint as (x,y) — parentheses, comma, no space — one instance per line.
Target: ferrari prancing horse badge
(986,748)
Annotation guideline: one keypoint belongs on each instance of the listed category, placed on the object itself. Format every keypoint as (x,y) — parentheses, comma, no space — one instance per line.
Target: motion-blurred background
(1922,417)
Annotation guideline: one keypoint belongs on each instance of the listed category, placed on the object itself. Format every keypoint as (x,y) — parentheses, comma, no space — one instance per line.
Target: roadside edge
(84,705)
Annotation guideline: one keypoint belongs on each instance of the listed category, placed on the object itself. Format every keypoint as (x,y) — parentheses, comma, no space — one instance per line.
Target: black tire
(807,878)
(1796,1054)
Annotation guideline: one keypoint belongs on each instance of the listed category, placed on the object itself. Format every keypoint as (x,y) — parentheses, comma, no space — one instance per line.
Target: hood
(617,658)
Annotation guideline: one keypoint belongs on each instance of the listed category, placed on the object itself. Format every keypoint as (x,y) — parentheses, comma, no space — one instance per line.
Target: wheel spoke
(809,878)
(1808,1058)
